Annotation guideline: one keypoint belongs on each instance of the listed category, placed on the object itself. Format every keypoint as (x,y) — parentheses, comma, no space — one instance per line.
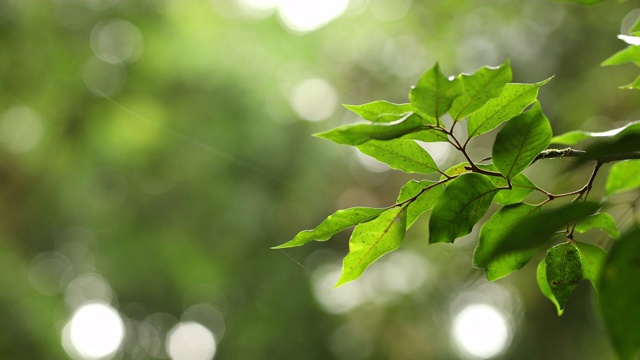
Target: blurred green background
(152,151)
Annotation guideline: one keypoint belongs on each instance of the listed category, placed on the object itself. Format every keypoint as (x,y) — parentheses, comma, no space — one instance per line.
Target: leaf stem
(413,198)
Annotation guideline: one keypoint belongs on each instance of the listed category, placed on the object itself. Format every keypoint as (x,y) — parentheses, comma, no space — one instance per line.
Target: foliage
(459,197)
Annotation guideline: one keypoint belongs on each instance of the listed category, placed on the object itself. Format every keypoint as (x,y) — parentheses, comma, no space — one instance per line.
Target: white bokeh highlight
(94,332)
(190,341)
(480,331)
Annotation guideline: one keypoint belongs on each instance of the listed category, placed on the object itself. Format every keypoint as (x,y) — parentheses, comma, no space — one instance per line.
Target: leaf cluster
(458,197)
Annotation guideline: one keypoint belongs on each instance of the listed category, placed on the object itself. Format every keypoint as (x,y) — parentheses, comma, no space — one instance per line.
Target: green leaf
(619,294)
(635,28)
(492,232)
(357,134)
(370,240)
(335,223)
(428,135)
(620,147)
(478,88)
(520,141)
(381,111)
(602,221)
(543,284)
(433,94)
(513,99)
(424,201)
(574,137)
(564,271)
(457,170)
(521,187)
(629,54)
(401,154)
(535,230)
(463,203)
(623,176)
(592,259)
(635,85)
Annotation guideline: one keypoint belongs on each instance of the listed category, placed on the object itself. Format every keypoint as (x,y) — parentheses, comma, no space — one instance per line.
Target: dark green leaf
(464,202)
(339,221)
(593,259)
(513,99)
(535,230)
(478,88)
(623,176)
(564,271)
(521,187)
(433,94)
(360,133)
(574,137)
(381,111)
(370,240)
(520,141)
(401,154)
(602,221)
(620,147)
(619,295)
(541,276)
(424,201)
(629,54)
(493,231)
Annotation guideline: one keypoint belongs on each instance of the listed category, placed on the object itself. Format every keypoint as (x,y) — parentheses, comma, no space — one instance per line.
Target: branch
(569,152)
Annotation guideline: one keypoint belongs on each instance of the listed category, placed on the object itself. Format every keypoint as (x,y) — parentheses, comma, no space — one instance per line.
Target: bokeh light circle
(190,341)
(480,331)
(96,331)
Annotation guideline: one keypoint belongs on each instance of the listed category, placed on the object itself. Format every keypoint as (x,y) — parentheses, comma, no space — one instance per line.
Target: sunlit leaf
(335,223)
(543,284)
(602,221)
(623,176)
(636,28)
(457,169)
(574,137)
(381,111)
(635,85)
(400,154)
(357,134)
(427,135)
(535,230)
(619,294)
(520,141)
(492,232)
(564,271)
(629,54)
(424,201)
(478,88)
(593,259)
(370,240)
(513,99)
(433,94)
(464,202)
